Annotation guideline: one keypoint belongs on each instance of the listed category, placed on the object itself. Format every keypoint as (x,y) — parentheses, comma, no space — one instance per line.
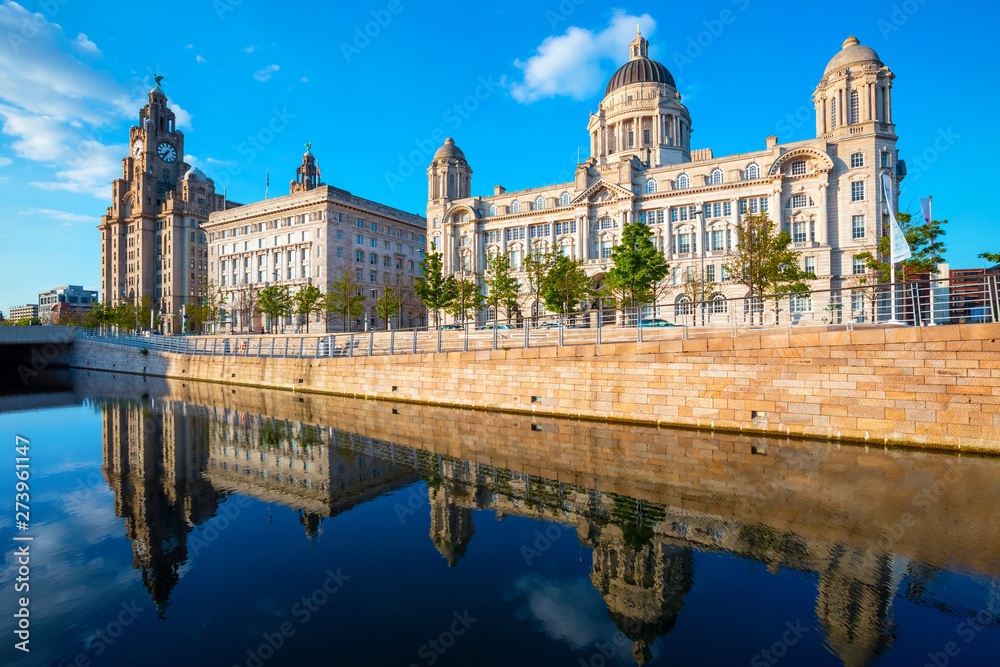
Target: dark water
(185,524)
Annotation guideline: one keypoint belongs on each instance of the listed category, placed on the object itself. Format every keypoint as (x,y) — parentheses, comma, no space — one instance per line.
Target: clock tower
(152,242)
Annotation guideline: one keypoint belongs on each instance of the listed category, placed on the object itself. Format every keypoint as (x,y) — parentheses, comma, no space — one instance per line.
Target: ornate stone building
(152,242)
(823,190)
(311,236)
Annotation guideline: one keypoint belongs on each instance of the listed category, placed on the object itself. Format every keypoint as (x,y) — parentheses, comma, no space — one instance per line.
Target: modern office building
(312,236)
(58,304)
(28,311)
(823,190)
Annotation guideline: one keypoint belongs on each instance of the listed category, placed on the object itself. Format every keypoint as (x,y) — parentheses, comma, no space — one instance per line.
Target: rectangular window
(859,266)
(858,191)
(359,256)
(727,208)
(798,168)
(340,252)
(359,223)
(857,226)
(763,204)
(673,215)
(373,259)
(799,232)
(810,265)
(373,276)
(717,240)
(722,273)
(857,160)
(710,273)
(677,276)
(684,243)
(359,239)
(605,249)
(340,235)
(885,159)
(373,242)
(645,137)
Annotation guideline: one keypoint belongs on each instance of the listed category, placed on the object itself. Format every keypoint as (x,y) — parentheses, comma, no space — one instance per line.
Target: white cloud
(189,46)
(199,59)
(85,45)
(573,64)
(249,49)
(266,73)
(4,161)
(59,215)
(181,116)
(304,79)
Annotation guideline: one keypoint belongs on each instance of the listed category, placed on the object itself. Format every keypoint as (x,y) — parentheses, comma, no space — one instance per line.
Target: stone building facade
(311,236)
(824,191)
(152,240)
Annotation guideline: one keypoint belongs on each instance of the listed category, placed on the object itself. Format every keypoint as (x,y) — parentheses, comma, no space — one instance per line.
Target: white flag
(900,248)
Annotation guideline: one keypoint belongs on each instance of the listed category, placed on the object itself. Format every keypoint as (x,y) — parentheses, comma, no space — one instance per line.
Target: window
(810,265)
(605,249)
(515,207)
(857,160)
(373,259)
(752,171)
(684,243)
(493,211)
(650,186)
(855,109)
(359,239)
(799,201)
(340,252)
(564,199)
(719,304)
(798,168)
(857,226)
(858,266)
(885,159)
(715,178)
(801,303)
(799,232)
(833,112)
(682,306)
(710,273)
(437,221)
(858,191)
(340,235)
(539,203)
(359,223)
(718,238)
(606,223)
(683,181)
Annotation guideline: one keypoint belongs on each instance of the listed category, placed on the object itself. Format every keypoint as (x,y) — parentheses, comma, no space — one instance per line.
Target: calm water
(185,524)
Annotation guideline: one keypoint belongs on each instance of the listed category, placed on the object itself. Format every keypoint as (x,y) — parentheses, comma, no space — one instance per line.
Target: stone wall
(930,386)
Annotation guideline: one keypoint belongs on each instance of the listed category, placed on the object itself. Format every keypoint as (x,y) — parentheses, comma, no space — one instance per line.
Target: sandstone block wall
(931,386)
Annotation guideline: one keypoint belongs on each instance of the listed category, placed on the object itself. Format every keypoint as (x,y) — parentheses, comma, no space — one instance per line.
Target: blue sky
(512,82)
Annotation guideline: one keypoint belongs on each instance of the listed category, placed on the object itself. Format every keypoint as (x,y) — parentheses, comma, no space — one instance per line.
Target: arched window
(605,223)
(855,108)
(799,201)
(493,209)
(515,207)
(564,199)
(715,178)
(719,303)
(682,306)
(683,181)
(752,171)
(650,186)
(539,203)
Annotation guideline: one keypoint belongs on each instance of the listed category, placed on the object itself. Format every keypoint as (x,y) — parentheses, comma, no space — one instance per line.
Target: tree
(501,289)
(638,265)
(275,302)
(345,297)
(566,285)
(765,262)
(991,257)
(387,305)
(467,298)
(536,267)
(245,305)
(308,300)
(926,250)
(699,290)
(435,290)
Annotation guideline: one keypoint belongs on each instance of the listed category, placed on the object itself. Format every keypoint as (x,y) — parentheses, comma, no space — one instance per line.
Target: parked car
(655,322)
(495,325)
(451,327)
(548,325)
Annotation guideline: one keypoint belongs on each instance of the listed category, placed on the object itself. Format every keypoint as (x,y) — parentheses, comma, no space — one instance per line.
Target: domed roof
(851,53)
(640,70)
(195,174)
(449,149)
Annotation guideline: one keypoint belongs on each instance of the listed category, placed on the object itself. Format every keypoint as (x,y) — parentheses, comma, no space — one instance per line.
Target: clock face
(166,152)
(137,149)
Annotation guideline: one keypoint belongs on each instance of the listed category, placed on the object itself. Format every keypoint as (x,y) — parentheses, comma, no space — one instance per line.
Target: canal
(185,523)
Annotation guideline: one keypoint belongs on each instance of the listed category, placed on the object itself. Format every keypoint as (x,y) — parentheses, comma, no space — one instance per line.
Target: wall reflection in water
(171,463)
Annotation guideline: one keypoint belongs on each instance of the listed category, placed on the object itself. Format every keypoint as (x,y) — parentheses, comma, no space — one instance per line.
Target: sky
(375,86)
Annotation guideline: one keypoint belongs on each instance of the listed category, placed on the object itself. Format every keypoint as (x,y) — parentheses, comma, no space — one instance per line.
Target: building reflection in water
(171,463)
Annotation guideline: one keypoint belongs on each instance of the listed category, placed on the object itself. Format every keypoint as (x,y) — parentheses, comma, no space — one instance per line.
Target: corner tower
(641,114)
(855,94)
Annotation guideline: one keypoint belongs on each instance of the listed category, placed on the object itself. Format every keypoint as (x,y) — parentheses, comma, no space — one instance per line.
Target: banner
(925,207)
(900,248)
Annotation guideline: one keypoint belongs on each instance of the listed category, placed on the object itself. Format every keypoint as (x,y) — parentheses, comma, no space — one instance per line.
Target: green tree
(926,249)
(435,290)
(699,290)
(388,304)
(501,288)
(467,299)
(991,257)
(308,300)
(536,267)
(274,301)
(566,285)
(638,265)
(345,297)
(765,262)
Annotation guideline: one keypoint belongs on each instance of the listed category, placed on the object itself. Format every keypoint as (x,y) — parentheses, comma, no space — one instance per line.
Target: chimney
(499,190)
(772,141)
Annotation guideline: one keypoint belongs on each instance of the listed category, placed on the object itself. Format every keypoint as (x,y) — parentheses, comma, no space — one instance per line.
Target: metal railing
(916,303)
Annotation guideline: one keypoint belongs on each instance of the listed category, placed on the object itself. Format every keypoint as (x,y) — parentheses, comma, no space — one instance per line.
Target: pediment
(603,192)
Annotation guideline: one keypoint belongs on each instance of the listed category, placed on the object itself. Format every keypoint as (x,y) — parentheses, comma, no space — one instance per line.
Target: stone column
(821,220)
(888,104)
(583,228)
